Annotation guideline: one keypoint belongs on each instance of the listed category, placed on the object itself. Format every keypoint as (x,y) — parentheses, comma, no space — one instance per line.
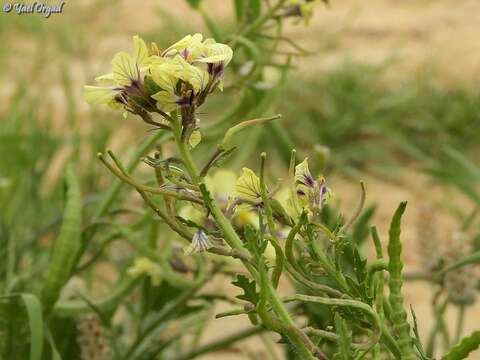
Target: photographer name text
(34,8)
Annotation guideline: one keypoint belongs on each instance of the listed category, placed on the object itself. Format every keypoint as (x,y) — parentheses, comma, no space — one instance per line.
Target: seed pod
(66,246)
(395,265)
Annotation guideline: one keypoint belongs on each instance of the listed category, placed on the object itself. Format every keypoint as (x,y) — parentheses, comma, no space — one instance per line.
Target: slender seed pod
(395,265)
(464,347)
(66,245)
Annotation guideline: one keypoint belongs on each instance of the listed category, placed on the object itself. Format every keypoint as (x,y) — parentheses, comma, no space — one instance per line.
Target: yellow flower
(244,215)
(215,55)
(313,194)
(301,9)
(247,187)
(145,266)
(126,77)
(190,48)
(221,185)
(167,72)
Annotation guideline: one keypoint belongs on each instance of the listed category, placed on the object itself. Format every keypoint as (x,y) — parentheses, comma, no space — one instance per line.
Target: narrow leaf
(35,322)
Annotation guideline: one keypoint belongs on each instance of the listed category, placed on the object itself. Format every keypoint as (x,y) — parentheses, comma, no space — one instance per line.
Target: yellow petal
(145,266)
(247,187)
(196,77)
(192,43)
(105,79)
(245,216)
(302,173)
(96,95)
(195,138)
(124,69)
(163,74)
(140,51)
(166,101)
(217,53)
(221,184)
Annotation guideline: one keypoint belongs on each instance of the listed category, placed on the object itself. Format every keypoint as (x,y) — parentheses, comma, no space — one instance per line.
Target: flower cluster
(240,199)
(150,82)
(302,9)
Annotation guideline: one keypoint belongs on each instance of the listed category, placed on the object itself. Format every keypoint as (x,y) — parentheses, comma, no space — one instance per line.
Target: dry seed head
(428,239)
(461,284)
(91,339)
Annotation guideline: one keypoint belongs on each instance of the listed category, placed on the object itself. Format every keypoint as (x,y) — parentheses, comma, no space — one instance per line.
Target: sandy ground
(411,34)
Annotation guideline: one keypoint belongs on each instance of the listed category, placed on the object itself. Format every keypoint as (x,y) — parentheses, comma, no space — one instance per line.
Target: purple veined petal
(301,192)
(216,69)
(121,97)
(307,181)
(323,191)
(184,102)
(200,243)
(184,53)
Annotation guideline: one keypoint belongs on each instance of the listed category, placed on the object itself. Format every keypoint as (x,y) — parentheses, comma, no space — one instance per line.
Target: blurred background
(389,95)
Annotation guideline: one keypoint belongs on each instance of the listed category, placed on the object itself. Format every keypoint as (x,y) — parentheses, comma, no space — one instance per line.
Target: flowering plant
(366,321)
(295,263)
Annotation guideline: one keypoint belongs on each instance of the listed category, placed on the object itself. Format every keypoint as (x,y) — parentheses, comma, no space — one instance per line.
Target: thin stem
(232,238)
(346,303)
(279,257)
(145,188)
(357,211)
(220,344)
(164,315)
(112,194)
(460,322)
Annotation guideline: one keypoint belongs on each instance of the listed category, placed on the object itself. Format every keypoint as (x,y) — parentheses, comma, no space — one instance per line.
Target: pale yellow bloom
(127,71)
(166,72)
(247,187)
(189,47)
(145,266)
(221,185)
(313,194)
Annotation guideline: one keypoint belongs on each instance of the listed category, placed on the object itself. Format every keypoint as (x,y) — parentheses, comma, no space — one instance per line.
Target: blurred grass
(371,124)
(368,123)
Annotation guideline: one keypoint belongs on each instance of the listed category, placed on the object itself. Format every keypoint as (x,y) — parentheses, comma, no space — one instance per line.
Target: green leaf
(464,347)
(344,339)
(240,9)
(361,228)
(67,245)
(35,322)
(395,265)
(253,10)
(194,3)
(249,289)
(55,353)
(220,160)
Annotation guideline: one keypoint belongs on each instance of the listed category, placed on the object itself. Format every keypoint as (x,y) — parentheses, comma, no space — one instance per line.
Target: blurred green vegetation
(374,125)
(366,123)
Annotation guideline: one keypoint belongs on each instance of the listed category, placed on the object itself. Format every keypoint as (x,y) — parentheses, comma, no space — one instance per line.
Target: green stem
(220,344)
(279,257)
(460,322)
(232,238)
(344,303)
(115,189)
